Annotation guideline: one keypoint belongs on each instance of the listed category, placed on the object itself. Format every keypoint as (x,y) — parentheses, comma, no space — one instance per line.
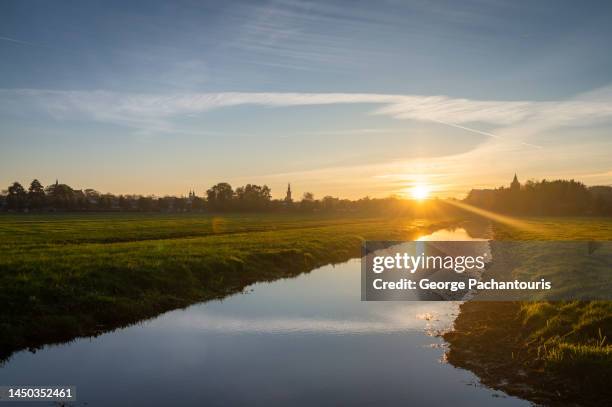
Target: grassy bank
(554,353)
(63,276)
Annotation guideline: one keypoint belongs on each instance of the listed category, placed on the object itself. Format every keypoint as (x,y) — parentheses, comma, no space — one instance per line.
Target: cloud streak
(511,123)
(8,39)
(139,109)
(484,133)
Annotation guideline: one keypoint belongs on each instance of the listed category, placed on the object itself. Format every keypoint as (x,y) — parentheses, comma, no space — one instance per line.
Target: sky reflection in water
(304,341)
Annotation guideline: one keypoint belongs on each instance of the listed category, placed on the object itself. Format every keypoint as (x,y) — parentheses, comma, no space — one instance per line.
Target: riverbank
(79,275)
(551,353)
(299,341)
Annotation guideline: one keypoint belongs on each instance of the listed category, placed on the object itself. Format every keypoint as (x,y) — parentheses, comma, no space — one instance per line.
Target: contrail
(484,133)
(34,44)
(19,41)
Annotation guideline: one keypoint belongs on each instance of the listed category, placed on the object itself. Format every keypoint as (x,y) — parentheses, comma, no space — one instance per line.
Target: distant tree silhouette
(92,196)
(329,203)
(308,197)
(178,204)
(36,195)
(601,199)
(253,197)
(198,204)
(16,198)
(109,202)
(145,204)
(124,203)
(220,196)
(308,202)
(61,196)
(558,197)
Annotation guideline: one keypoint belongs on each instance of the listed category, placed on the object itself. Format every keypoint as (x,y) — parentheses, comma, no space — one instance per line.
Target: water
(301,341)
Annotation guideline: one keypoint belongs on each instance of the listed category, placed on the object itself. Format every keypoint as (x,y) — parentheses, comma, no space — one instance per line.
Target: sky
(348,99)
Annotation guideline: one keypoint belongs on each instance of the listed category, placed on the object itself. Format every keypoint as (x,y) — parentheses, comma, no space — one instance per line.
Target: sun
(420,192)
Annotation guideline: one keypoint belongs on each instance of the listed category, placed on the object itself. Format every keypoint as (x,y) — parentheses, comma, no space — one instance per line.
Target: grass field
(573,334)
(63,276)
(547,351)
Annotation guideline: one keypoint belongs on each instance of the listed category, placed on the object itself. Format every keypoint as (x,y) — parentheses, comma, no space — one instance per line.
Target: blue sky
(342,98)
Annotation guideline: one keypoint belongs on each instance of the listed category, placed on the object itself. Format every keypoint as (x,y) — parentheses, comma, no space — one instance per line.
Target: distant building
(515,185)
(192,196)
(288,198)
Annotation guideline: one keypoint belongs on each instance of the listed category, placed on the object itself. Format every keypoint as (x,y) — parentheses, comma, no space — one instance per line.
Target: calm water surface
(301,341)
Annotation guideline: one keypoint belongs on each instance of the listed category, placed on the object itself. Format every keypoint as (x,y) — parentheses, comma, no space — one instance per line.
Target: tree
(559,197)
(36,194)
(61,196)
(124,203)
(330,203)
(253,197)
(220,196)
(16,198)
(105,202)
(308,197)
(178,204)
(145,204)
(308,202)
(197,204)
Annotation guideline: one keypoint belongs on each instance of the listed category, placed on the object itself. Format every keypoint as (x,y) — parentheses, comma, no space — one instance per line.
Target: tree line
(218,198)
(553,198)
(559,197)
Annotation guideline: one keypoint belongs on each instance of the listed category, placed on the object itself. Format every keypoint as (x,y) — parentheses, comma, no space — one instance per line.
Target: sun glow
(420,192)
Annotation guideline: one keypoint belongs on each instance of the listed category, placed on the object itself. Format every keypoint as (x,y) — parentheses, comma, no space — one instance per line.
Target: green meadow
(63,276)
(576,334)
(69,275)
(544,350)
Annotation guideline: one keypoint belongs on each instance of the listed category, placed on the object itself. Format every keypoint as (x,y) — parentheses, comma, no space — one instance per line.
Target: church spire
(288,196)
(515,185)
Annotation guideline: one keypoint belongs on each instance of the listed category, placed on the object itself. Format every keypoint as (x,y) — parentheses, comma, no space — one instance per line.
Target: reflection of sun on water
(449,235)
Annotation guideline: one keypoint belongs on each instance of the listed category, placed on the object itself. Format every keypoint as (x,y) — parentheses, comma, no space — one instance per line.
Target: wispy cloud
(328,36)
(484,133)
(35,44)
(512,123)
(162,112)
(16,41)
